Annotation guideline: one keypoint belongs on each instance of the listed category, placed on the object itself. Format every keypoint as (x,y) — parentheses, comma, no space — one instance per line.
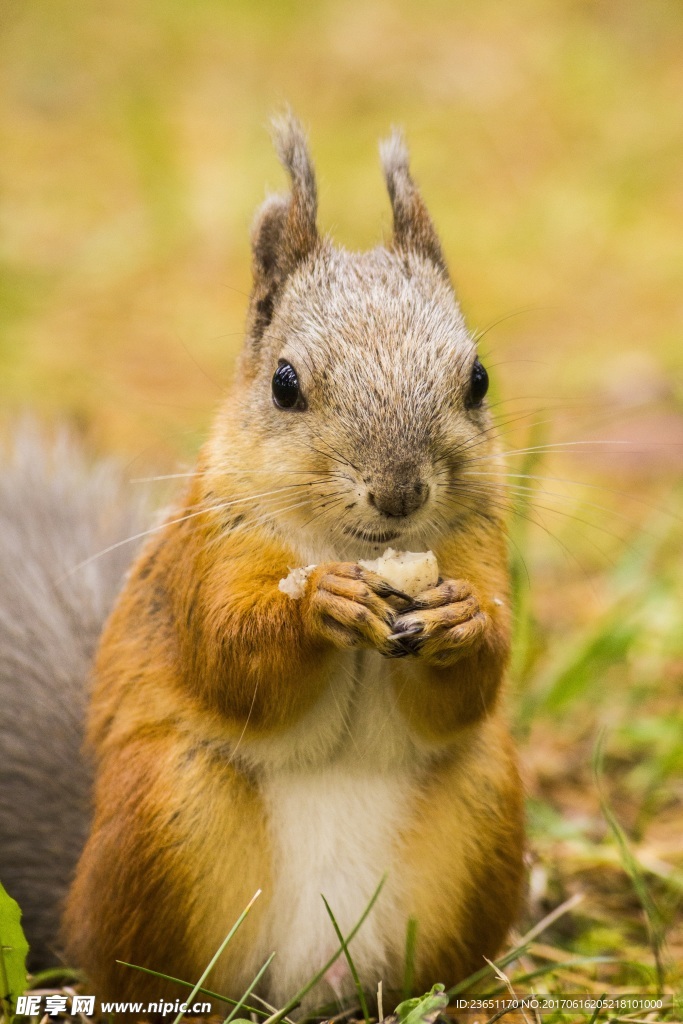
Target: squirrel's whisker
(129,540)
(196,474)
(258,496)
(172,522)
(512,509)
(271,513)
(569,445)
(477,335)
(289,488)
(576,483)
(324,509)
(495,432)
(326,455)
(523,490)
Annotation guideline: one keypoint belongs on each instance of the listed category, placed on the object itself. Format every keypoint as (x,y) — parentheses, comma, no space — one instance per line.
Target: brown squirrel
(245,740)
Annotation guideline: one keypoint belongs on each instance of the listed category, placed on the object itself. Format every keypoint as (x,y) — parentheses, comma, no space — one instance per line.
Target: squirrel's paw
(348,607)
(442,623)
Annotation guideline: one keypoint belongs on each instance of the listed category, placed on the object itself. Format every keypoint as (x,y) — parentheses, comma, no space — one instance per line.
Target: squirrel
(246,740)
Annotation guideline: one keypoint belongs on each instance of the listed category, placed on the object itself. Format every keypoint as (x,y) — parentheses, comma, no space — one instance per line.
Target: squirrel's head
(360,399)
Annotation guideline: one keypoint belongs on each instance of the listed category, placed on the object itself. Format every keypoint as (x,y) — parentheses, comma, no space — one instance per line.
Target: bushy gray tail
(55,513)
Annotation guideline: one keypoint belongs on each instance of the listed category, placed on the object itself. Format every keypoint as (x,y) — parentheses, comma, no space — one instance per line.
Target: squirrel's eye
(479,384)
(286,390)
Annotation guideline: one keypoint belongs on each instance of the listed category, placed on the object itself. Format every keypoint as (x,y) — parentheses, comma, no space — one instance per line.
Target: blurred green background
(548,141)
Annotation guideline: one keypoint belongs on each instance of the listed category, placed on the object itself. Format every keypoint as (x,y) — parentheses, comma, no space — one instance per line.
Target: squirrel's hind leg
(463,860)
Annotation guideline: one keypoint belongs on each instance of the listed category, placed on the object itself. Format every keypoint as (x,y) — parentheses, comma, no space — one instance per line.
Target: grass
(547,140)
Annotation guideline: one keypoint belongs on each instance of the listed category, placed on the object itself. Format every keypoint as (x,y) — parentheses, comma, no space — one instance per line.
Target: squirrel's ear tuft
(413,228)
(292,149)
(285,231)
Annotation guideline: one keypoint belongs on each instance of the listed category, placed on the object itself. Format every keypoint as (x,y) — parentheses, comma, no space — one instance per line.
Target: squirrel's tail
(55,515)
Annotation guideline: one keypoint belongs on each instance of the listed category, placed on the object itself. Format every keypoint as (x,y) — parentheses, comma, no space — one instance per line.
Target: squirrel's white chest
(337,790)
(333,832)
(355,721)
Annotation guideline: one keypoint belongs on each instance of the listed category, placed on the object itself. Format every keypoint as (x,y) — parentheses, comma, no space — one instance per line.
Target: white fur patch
(337,789)
(355,721)
(333,832)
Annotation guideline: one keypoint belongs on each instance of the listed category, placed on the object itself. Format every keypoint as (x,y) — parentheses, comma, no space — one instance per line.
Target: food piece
(294,585)
(409,571)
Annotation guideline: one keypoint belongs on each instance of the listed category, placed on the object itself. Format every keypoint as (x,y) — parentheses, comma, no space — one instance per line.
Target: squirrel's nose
(399,499)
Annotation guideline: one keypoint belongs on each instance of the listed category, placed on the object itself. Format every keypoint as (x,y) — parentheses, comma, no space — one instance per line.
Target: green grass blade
(247,992)
(13,953)
(352,967)
(189,984)
(605,644)
(276,1017)
(653,917)
(409,968)
(607,640)
(196,988)
(48,977)
(212,962)
(520,587)
(598,1008)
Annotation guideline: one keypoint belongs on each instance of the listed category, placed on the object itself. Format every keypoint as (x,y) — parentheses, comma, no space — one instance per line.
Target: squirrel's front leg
(443,624)
(347,606)
(460,644)
(262,658)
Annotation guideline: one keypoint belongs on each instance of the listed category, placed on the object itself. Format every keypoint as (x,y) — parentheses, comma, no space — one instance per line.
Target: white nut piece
(294,585)
(409,571)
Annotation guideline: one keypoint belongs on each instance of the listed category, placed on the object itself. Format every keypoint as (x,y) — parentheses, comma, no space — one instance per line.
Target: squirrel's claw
(441,623)
(402,632)
(382,587)
(410,638)
(394,649)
